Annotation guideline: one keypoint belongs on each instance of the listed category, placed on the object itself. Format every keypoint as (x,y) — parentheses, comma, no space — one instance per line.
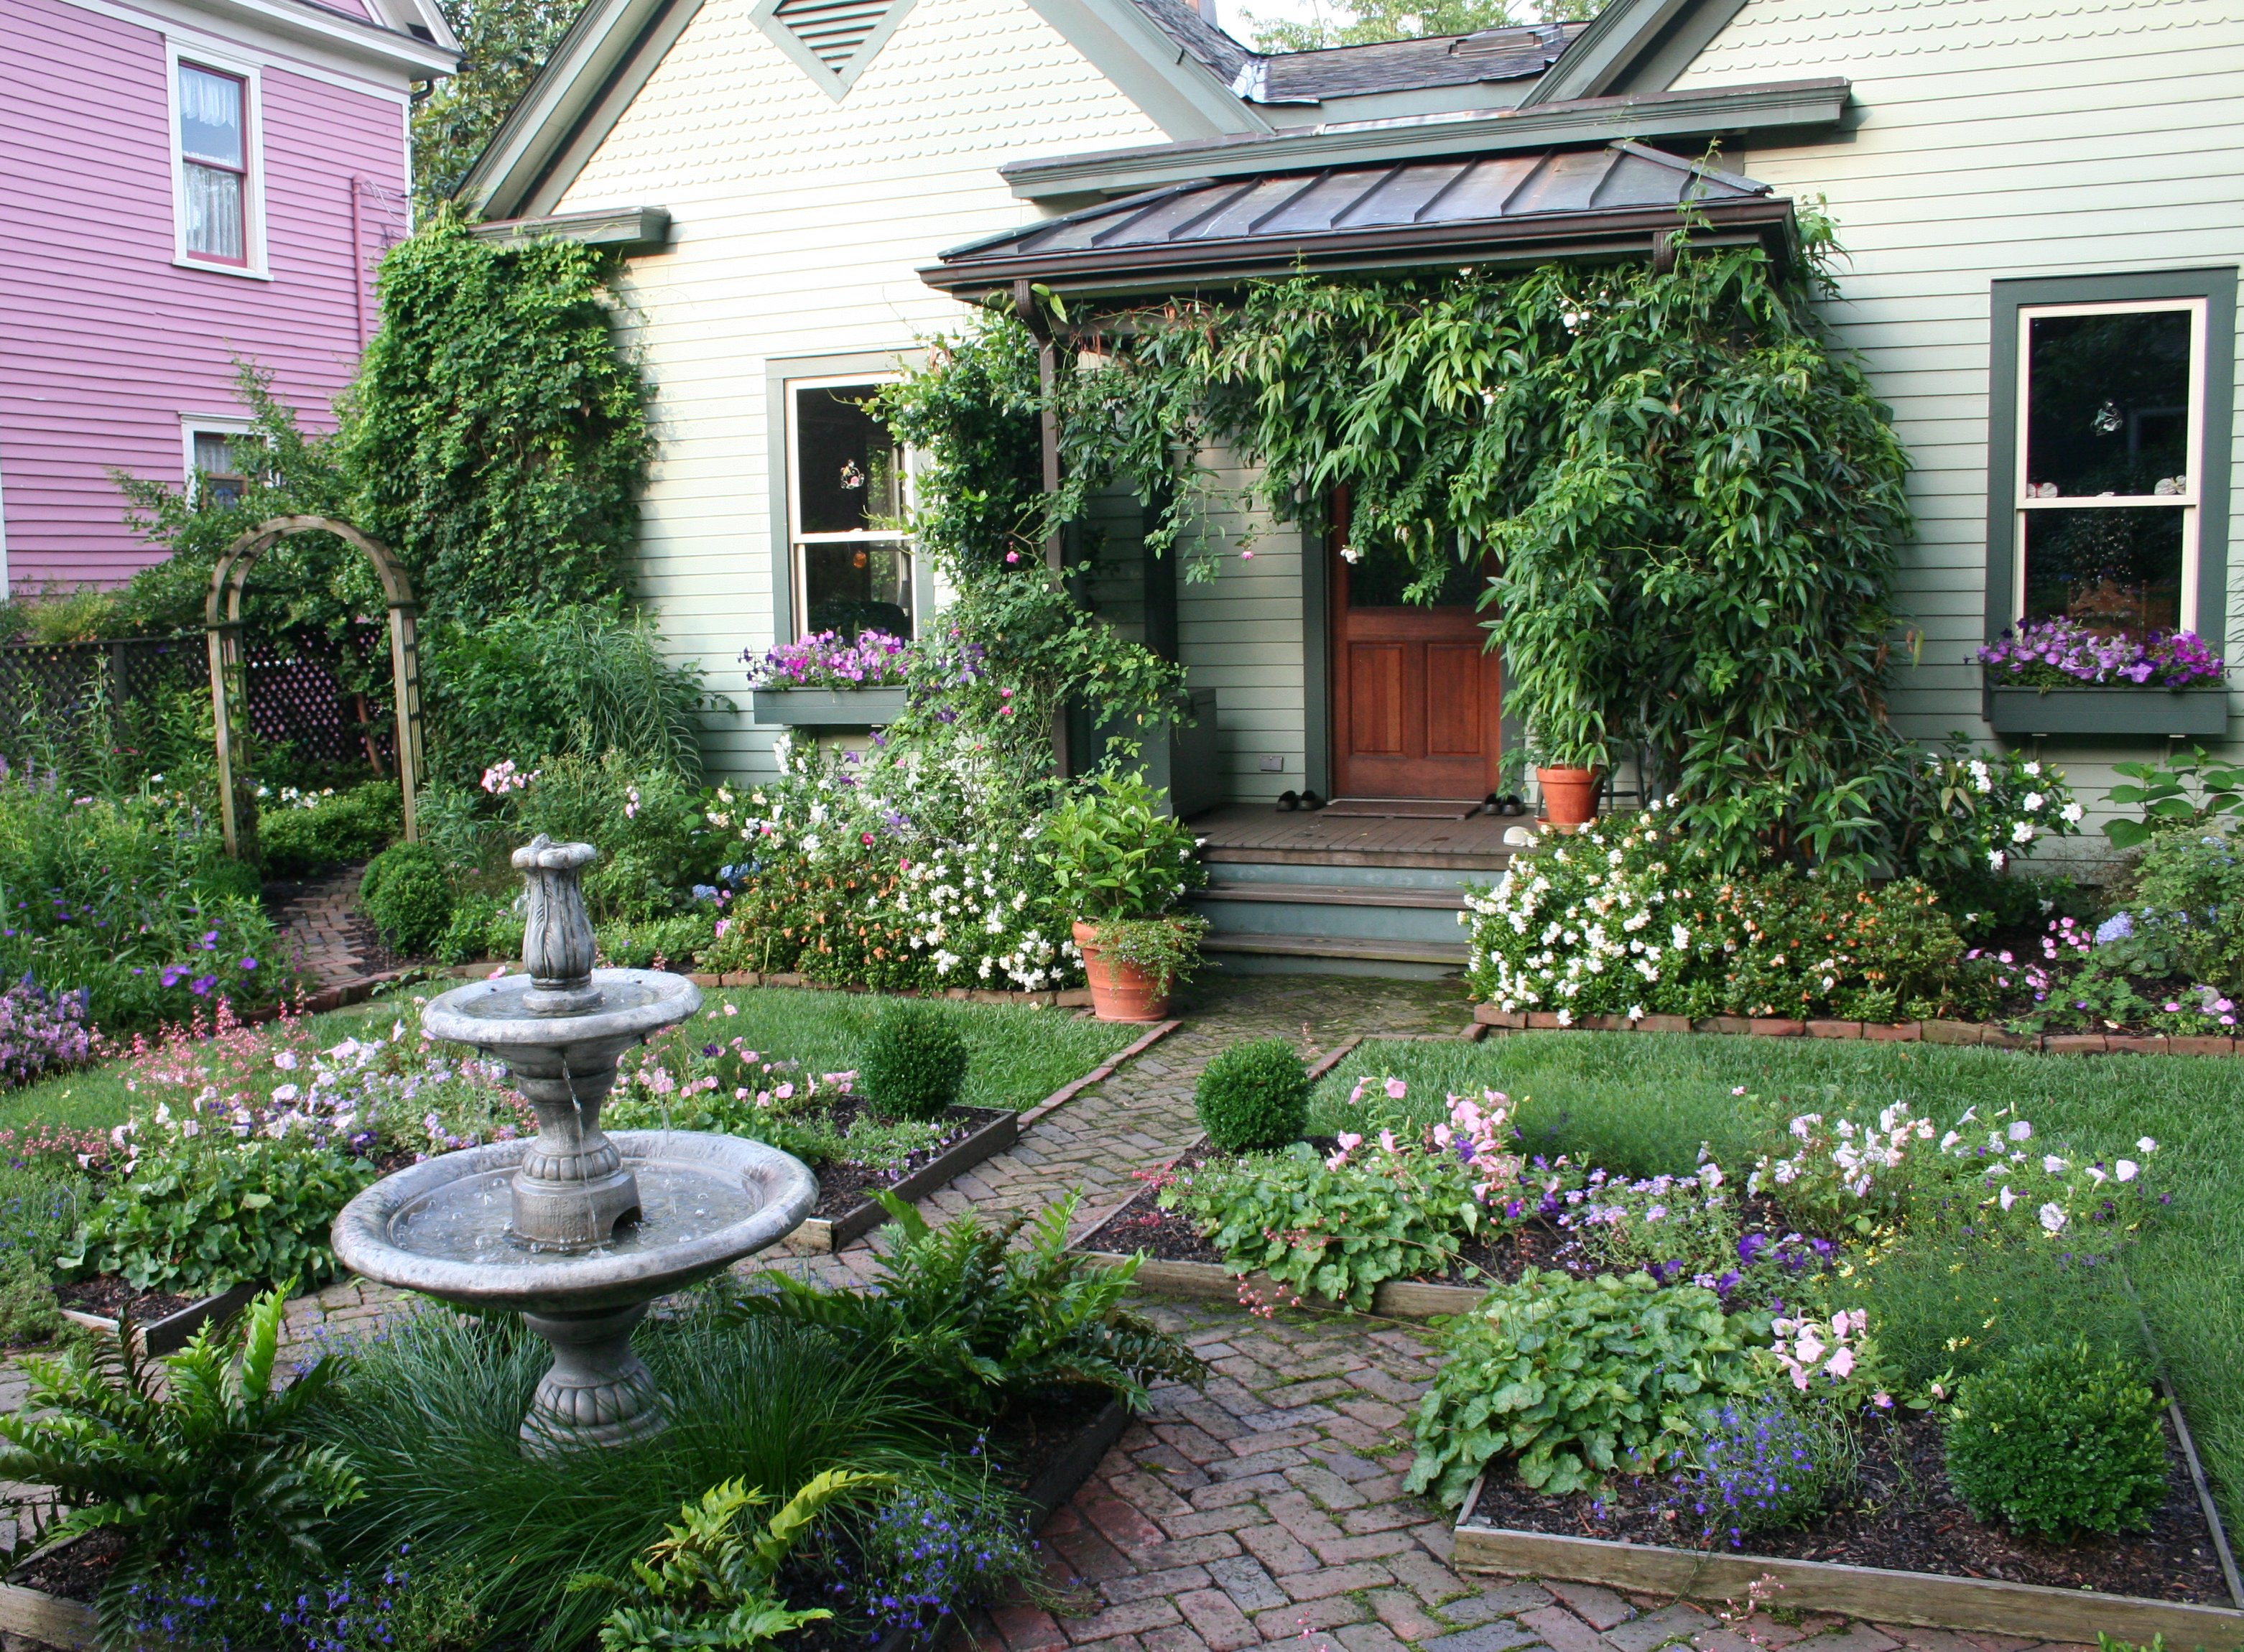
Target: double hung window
(214,172)
(849,488)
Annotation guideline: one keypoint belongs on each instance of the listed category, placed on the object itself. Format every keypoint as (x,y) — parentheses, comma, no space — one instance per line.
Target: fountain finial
(557,937)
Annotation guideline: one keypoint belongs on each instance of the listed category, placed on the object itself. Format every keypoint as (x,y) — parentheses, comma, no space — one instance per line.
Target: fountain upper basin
(491,1014)
(442,1227)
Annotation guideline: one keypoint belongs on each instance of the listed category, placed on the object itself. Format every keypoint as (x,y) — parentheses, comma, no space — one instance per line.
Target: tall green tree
(503,45)
(1364,22)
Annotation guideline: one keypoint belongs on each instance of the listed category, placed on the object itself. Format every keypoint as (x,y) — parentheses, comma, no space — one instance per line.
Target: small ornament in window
(2107,419)
(2168,486)
(852,477)
(2041,491)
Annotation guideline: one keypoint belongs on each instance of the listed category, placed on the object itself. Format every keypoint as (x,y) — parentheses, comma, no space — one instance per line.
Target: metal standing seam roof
(1549,204)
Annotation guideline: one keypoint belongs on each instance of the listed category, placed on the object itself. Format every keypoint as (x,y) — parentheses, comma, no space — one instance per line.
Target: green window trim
(2217,288)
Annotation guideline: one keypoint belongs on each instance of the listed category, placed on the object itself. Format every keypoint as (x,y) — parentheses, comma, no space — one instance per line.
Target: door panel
(1453,700)
(1375,699)
(1414,692)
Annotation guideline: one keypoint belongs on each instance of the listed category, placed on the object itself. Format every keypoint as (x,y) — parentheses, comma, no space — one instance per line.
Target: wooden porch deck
(1257,833)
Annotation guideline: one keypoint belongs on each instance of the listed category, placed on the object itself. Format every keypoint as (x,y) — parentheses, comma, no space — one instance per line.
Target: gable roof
(1200,86)
(1509,207)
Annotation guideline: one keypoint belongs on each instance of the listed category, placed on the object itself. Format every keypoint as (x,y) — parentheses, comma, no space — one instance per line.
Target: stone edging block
(1907,1032)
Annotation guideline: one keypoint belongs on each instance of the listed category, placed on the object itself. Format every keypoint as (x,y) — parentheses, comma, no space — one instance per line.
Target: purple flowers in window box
(2064,654)
(875,660)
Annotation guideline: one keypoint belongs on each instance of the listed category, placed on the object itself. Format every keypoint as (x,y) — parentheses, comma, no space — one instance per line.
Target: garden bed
(162,1320)
(1908,1032)
(1906,1552)
(845,1212)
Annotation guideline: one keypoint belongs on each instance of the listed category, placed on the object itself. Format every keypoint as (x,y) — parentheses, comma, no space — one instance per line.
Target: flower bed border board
(170,1334)
(2105,710)
(1981,1605)
(828,708)
(823,1234)
(47,1619)
(819,1233)
(1907,1032)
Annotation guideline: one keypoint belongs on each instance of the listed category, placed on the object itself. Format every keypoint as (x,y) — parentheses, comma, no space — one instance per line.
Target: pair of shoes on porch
(1508,803)
(1289,801)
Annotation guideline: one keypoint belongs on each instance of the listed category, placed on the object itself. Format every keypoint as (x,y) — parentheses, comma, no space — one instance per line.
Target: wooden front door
(1414,688)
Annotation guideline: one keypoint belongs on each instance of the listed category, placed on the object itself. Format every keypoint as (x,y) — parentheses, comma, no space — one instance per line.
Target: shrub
(658,943)
(40,1207)
(915,1064)
(980,1325)
(408,894)
(1113,852)
(214,1211)
(1573,1379)
(299,835)
(1634,917)
(203,1441)
(1254,1097)
(2058,1440)
(481,926)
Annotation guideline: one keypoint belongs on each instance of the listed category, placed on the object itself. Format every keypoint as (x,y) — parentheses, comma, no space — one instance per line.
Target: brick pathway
(320,925)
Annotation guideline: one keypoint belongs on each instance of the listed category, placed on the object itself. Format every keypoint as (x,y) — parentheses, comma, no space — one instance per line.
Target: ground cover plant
(1647,1105)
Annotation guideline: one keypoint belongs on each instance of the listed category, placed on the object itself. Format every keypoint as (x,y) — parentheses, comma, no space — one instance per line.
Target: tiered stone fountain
(576,1230)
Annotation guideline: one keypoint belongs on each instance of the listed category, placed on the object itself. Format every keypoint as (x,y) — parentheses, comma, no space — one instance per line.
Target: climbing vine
(1687,500)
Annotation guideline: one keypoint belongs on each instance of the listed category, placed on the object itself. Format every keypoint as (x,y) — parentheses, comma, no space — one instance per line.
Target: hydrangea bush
(1632,918)
(911,865)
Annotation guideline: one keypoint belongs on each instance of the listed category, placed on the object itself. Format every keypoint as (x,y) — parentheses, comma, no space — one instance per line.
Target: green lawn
(1016,1057)
(1643,1102)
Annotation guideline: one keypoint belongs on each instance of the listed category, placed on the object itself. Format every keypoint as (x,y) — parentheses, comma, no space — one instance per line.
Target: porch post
(1024,306)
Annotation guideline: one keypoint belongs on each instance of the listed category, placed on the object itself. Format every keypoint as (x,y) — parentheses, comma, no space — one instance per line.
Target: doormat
(1400,808)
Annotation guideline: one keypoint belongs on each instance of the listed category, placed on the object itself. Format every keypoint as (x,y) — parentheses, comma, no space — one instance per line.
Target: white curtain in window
(210,116)
(213,212)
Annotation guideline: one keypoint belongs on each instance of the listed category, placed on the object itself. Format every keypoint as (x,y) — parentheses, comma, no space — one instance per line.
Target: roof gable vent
(832,41)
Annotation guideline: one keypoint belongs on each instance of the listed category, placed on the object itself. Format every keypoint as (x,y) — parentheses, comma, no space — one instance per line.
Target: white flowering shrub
(912,865)
(1983,811)
(1631,918)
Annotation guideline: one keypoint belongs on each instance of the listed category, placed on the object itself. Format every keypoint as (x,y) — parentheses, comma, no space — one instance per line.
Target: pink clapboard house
(183,183)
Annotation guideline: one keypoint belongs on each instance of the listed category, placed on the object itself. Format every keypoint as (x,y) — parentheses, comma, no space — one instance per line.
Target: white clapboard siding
(799,224)
(1992,139)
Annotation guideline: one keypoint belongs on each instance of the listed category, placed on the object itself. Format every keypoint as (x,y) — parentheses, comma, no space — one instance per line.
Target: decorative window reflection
(2110,416)
(846,502)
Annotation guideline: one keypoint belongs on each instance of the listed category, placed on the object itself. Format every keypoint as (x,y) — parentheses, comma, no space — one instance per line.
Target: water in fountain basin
(504,1002)
(469,1220)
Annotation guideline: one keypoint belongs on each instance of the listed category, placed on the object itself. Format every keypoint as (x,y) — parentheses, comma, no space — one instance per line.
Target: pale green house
(809,187)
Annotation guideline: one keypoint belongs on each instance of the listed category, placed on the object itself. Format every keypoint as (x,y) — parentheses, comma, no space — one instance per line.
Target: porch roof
(1524,207)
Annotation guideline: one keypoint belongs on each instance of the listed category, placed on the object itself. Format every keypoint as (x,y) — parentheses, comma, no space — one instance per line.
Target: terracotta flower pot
(1569,796)
(1119,991)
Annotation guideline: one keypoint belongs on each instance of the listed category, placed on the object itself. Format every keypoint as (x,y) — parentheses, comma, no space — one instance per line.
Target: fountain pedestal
(577,1231)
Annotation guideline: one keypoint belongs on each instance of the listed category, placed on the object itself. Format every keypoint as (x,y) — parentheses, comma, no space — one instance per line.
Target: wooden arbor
(222,626)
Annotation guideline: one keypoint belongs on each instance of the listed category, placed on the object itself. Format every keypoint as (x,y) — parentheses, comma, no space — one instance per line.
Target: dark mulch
(109,1296)
(1906,1518)
(843,1185)
(78,1569)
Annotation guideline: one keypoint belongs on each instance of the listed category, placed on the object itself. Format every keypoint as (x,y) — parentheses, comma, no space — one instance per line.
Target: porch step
(1350,912)
(1332,954)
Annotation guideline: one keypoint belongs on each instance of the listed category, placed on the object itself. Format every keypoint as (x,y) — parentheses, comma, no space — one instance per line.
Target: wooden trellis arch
(222,626)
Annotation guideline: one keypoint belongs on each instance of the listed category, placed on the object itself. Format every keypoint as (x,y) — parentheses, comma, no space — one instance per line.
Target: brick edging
(1907,1032)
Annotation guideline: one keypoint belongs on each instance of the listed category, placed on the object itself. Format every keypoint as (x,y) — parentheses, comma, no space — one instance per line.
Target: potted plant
(1119,865)
(1568,768)
(829,681)
(2058,676)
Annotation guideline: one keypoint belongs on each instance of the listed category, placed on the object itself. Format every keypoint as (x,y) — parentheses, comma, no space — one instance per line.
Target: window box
(829,708)
(2123,710)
